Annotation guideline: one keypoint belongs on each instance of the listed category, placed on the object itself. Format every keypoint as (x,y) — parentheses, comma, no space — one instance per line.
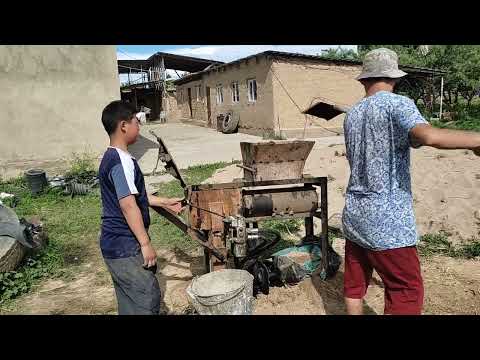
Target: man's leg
(402,277)
(354,306)
(358,273)
(137,289)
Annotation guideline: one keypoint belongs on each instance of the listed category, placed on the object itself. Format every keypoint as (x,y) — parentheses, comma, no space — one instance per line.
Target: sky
(225,53)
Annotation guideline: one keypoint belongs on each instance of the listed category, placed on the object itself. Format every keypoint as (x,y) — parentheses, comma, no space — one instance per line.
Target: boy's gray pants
(137,289)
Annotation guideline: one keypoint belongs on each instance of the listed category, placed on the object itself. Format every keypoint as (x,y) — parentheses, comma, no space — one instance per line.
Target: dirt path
(91,290)
(452,286)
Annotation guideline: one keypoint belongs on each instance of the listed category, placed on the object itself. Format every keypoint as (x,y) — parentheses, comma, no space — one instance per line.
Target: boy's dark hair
(115,112)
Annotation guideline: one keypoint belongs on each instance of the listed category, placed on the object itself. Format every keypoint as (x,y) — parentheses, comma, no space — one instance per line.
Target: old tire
(230,123)
(11,251)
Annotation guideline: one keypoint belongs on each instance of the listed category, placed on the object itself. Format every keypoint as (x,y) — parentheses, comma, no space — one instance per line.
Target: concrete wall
(306,80)
(51,100)
(255,117)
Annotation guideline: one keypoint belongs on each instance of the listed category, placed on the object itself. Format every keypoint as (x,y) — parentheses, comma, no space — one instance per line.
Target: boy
(378,218)
(124,241)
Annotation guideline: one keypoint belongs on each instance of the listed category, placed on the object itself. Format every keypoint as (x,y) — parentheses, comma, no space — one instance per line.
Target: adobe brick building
(269,91)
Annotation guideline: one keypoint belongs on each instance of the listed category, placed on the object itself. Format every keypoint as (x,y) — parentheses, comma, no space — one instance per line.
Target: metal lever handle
(166,158)
(253,171)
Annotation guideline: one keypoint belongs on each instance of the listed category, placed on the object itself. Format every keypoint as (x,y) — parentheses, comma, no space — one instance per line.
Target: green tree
(340,54)
(468,70)
(460,62)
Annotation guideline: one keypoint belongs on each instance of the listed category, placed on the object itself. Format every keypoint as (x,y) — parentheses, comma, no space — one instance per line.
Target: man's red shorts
(399,270)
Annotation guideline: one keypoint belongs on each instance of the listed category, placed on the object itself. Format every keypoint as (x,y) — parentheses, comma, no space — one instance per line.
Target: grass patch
(192,175)
(288,230)
(466,123)
(284,227)
(435,244)
(470,250)
(438,244)
(72,226)
(32,269)
(461,117)
(82,167)
(270,135)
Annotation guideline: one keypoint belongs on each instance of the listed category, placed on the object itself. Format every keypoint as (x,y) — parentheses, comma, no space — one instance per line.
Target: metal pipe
(129,67)
(324,218)
(441,98)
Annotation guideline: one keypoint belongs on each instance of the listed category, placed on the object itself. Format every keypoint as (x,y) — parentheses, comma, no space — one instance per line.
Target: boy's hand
(149,255)
(173,204)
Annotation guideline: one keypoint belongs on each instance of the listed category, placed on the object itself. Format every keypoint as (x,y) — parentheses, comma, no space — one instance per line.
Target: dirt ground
(452,286)
(444,185)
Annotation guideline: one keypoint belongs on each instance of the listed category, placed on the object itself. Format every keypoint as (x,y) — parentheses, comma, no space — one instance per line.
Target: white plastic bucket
(222,292)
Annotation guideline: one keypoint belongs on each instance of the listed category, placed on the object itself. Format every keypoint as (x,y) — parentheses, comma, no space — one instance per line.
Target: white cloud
(132,56)
(227,53)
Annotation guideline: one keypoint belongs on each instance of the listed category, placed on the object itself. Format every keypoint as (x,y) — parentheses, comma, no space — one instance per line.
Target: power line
(124,53)
(298,107)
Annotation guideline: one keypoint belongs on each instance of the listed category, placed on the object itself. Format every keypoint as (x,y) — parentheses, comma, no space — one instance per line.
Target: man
(378,218)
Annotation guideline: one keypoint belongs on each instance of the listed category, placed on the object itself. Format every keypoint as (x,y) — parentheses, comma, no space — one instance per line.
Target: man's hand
(149,255)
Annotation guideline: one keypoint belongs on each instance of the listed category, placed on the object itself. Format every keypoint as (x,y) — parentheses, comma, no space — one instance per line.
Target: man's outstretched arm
(428,135)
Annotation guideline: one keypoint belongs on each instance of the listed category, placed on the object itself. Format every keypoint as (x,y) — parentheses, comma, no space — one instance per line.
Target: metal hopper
(275,160)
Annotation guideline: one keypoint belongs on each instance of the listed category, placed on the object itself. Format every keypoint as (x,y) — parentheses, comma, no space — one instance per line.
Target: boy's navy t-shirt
(120,176)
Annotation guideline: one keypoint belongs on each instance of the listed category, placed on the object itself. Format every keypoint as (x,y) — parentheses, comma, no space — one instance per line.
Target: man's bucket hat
(381,63)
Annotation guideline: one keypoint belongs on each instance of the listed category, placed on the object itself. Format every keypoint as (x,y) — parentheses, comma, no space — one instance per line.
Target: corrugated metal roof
(171,61)
(286,55)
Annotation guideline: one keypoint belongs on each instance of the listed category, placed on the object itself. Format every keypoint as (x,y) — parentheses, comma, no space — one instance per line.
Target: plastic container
(222,292)
(36,179)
